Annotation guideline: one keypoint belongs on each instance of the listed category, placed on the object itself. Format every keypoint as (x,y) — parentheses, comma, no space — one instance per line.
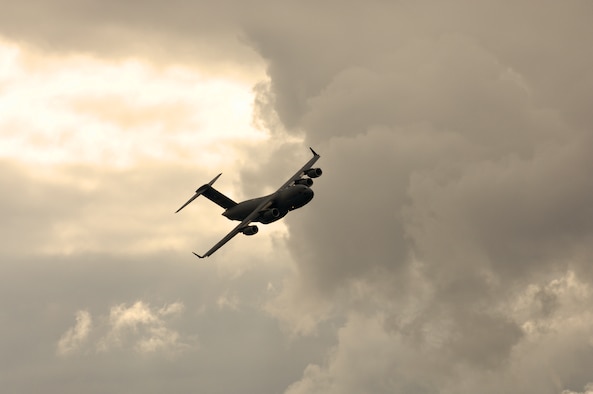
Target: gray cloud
(451,166)
(175,32)
(133,341)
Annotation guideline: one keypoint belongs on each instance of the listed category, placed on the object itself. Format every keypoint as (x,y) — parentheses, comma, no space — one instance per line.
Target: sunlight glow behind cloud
(82,109)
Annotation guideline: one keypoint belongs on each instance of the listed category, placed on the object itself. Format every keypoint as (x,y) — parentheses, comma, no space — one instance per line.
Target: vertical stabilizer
(218,198)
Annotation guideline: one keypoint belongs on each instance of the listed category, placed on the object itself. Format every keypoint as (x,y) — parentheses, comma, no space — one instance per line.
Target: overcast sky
(449,246)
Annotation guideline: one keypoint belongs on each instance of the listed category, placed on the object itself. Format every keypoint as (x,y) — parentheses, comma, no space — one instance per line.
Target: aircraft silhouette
(293,194)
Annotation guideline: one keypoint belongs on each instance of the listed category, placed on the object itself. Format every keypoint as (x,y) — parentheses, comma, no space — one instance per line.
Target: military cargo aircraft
(293,194)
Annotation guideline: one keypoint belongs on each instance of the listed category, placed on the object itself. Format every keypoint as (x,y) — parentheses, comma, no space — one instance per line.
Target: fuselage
(282,202)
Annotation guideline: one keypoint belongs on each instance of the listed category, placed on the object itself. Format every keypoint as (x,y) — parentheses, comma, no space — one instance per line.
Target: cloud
(67,165)
(146,329)
(373,356)
(454,180)
(138,326)
(207,34)
(101,112)
(75,337)
(588,390)
(380,364)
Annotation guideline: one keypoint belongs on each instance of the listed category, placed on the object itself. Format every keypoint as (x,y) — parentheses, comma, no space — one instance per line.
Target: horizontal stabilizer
(201,190)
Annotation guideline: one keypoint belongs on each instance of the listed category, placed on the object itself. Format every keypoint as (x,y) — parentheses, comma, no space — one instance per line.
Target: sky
(448,248)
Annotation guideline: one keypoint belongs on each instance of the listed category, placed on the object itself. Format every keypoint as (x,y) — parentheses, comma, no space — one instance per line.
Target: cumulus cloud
(588,390)
(454,182)
(77,335)
(373,356)
(139,327)
(143,328)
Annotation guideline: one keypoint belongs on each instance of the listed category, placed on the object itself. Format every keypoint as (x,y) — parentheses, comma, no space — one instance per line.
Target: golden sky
(79,108)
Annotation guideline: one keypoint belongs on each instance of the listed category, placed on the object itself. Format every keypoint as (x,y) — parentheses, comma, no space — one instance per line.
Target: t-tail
(211,194)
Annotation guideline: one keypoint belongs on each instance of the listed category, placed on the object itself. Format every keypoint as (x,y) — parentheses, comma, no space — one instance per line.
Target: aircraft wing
(300,172)
(265,204)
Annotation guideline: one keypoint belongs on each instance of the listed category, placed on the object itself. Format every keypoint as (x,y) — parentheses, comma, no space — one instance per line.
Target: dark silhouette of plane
(295,193)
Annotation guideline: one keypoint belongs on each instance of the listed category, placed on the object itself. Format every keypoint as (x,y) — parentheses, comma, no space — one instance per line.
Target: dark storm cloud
(441,84)
(524,214)
(309,52)
(456,160)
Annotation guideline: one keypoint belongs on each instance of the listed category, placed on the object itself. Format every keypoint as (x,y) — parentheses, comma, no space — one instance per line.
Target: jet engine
(270,214)
(304,181)
(250,230)
(314,172)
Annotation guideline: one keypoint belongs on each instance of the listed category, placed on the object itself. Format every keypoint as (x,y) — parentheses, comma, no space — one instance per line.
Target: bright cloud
(142,327)
(77,335)
(82,109)
(139,327)
(588,390)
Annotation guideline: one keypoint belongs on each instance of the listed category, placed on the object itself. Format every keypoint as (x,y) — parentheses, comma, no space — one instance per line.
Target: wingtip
(197,255)
(215,179)
(315,153)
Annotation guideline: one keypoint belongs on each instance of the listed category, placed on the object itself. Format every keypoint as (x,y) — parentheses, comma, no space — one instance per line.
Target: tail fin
(211,194)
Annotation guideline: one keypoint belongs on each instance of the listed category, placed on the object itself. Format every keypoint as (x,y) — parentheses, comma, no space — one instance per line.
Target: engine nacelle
(304,181)
(250,230)
(314,172)
(270,214)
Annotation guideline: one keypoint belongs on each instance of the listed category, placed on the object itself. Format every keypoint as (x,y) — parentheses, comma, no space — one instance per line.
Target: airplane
(294,193)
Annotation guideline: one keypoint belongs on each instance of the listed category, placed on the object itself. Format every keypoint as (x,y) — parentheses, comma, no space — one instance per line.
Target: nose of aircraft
(308,193)
(297,196)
